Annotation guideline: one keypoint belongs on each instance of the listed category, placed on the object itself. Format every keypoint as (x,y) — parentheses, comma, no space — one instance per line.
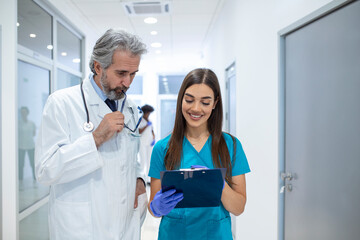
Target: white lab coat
(92,190)
(145,147)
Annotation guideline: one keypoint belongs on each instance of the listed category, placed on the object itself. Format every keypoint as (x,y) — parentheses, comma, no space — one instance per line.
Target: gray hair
(111,41)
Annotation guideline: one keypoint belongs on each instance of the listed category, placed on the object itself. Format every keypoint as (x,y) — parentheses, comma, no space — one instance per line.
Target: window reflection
(170,84)
(33,90)
(34,28)
(68,48)
(65,79)
(35,226)
(168,111)
(136,86)
(27,130)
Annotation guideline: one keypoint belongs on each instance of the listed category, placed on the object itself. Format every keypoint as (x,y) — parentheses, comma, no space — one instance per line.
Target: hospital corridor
(233,119)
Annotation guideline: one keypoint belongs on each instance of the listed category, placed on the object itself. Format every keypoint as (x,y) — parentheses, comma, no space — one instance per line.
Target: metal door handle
(288,187)
(286,176)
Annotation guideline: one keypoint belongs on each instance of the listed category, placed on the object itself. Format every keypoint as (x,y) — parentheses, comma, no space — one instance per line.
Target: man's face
(117,78)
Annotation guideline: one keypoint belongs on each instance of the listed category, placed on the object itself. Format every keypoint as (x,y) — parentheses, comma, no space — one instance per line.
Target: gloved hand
(152,143)
(164,202)
(149,123)
(199,166)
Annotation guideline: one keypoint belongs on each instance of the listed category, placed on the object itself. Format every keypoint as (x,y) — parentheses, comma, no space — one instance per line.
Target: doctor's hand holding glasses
(115,122)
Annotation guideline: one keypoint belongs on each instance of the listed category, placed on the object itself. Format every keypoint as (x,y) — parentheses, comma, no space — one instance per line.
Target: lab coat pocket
(172,228)
(72,220)
(220,230)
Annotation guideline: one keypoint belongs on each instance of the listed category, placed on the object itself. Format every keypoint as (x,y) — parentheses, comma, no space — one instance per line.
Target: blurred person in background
(147,139)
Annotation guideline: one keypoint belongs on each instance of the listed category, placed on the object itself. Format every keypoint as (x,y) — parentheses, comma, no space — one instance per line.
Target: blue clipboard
(201,187)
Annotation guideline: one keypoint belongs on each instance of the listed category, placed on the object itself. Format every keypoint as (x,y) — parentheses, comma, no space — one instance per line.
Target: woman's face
(197,105)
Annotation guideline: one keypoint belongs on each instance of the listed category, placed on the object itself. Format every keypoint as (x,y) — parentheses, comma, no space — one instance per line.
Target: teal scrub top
(197,223)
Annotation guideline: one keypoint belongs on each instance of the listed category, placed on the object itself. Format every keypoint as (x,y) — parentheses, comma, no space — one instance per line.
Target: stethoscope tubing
(83,97)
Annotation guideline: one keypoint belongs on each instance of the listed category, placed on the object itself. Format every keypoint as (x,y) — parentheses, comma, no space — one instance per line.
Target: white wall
(246,32)
(8,19)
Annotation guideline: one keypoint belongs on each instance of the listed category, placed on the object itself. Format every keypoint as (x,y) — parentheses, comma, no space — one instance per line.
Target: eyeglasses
(140,113)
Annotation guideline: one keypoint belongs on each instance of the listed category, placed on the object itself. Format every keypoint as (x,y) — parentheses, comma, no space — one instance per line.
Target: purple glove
(152,143)
(149,123)
(164,202)
(199,166)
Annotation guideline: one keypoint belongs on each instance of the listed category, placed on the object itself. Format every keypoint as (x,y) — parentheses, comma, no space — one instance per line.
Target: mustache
(120,89)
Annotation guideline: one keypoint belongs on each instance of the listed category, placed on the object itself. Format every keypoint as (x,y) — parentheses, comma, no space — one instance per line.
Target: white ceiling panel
(100,8)
(181,33)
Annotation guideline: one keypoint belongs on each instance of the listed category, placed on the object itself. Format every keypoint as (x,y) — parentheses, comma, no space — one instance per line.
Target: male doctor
(87,148)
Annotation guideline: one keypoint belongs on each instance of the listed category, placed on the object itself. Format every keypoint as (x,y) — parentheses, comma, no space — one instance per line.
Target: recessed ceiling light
(17,24)
(157,51)
(150,20)
(156,45)
(32,35)
(63,54)
(76,60)
(153,32)
(50,47)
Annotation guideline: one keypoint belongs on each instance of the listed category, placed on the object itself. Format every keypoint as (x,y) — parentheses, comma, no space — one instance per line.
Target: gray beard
(111,94)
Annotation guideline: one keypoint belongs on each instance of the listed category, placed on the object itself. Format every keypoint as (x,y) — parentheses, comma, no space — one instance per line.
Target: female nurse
(197,139)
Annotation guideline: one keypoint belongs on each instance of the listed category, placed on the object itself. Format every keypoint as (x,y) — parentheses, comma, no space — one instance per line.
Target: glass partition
(34,28)
(136,86)
(167,113)
(68,48)
(35,226)
(65,79)
(170,84)
(33,90)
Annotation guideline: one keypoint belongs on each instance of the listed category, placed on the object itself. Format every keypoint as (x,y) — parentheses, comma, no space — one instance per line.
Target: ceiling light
(153,32)
(63,54)
(76,60)
(50,47)
(150,20)
(32,35)
(157,51)
(156,45)
(164,79)
(17,24)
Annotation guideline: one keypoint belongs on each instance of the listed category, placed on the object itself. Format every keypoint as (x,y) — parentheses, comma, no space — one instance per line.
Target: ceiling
(182,32)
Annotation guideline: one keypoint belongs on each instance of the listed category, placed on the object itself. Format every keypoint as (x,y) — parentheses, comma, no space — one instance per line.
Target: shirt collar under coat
(95,102)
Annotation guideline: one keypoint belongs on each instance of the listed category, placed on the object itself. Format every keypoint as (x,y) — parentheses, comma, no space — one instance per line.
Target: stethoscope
(88,126)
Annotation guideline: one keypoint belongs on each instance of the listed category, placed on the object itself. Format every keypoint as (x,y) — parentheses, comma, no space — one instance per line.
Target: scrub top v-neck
(197,223)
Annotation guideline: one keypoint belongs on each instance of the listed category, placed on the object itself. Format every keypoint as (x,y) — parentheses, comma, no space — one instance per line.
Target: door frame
(229,115)
(0,137)
(312,17)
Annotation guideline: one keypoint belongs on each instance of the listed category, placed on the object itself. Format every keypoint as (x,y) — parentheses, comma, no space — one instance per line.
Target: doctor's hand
(164,202)
(140,189)
(111,123)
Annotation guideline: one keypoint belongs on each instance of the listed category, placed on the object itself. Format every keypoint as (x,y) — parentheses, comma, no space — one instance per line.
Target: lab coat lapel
(97,107)
(128,113)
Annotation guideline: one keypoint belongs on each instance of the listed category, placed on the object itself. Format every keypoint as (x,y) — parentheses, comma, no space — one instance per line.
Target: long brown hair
(219,151)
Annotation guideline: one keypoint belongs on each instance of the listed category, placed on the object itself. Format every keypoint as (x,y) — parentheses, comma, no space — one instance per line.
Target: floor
(34,227)
(150,228)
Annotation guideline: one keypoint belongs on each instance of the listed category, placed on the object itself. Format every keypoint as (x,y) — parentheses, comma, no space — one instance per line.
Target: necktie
(111,104)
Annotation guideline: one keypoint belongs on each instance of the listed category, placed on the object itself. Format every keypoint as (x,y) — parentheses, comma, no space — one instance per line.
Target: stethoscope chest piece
(88,126)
